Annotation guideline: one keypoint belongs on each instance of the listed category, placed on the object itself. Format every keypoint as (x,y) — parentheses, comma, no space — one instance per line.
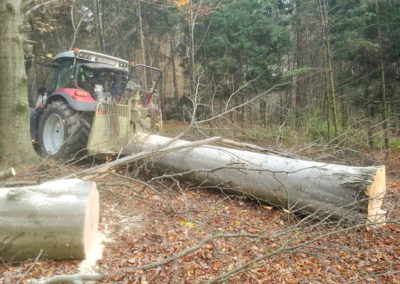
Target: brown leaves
(142,233)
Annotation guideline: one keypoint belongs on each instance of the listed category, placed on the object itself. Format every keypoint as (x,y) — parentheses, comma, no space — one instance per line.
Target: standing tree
(15,145)
(366,40)
(242,43)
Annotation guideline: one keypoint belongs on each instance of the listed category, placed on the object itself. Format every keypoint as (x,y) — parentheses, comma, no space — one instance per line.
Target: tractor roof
(94,57)
(66,54)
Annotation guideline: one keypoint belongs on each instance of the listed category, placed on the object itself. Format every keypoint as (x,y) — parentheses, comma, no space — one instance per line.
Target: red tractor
(82,86)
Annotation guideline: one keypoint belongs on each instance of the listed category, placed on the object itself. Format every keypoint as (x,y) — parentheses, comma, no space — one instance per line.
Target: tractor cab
(84,103)
(85,70)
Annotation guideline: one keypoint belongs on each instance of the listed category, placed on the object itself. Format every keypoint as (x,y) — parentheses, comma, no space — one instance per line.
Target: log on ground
(337,192)
(59,218)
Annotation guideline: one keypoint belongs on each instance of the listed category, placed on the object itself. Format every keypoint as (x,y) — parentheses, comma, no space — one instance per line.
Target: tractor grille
(110,131)
(113,109)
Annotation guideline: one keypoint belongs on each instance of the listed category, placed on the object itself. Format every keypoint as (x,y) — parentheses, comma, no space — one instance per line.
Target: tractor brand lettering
(106,61)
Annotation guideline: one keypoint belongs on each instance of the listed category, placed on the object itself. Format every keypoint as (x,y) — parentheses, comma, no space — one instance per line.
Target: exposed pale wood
(326,190)
(7,173)
(59,217)
(377,193)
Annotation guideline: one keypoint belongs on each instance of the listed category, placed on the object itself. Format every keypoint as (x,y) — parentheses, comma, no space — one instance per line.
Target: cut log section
(352,194)
(59,218)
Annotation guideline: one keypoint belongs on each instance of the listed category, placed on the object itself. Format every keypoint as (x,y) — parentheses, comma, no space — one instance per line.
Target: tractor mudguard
(78,99)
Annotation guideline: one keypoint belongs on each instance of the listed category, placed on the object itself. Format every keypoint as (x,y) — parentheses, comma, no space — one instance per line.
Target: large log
(59,218)
(332,191)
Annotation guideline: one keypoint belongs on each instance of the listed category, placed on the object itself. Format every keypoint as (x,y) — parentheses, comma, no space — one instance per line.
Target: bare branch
(194,248)
(41,5)
(73,278)
(30,267)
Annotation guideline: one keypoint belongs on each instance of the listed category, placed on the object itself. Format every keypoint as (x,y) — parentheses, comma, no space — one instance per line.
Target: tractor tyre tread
(77,125)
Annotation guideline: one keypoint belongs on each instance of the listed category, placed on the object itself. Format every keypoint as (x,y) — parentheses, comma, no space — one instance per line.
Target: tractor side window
(64,72)
(86,79)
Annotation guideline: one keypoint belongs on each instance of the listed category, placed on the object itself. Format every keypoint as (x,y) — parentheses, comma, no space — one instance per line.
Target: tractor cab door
(47,87)
(50,81)
(64,75)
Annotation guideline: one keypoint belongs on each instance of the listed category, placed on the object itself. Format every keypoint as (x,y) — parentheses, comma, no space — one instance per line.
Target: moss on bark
(15,142)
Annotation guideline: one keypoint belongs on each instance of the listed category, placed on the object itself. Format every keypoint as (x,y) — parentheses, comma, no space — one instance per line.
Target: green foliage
(354,29)
(318,129)
(267,135)
(245,39)
(288,75)
(394,144)
(238,41)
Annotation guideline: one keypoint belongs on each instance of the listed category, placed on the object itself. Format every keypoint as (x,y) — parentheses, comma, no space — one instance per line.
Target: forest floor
(140,225)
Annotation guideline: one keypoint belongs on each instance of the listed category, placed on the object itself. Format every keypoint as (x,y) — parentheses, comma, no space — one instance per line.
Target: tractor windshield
(97,77)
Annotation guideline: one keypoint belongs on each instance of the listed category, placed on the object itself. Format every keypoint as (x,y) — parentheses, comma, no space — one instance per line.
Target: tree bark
(383,84)
(354,194)
(326,31)
(99,26)
(59,218)
(175,82)
(15,143)
(142,39)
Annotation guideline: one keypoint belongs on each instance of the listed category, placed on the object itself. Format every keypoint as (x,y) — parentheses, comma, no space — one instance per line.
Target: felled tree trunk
(59,218)
(331,191)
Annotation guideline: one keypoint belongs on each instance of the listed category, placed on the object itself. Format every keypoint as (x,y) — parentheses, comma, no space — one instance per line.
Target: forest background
(279,72)
(310,78)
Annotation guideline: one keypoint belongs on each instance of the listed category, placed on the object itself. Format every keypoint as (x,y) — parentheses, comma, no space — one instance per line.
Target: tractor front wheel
(63,132)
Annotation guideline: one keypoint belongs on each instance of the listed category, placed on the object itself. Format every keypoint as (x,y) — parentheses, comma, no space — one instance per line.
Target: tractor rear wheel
(63,131)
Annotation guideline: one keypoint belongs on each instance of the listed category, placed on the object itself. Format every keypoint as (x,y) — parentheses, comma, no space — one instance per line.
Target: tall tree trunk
(383,82)
(263,111)
(191,50)
(332,99)
(300,93)
(99,25)
(142,45)
(30,68)
(175,81)
(371,117)
(243,112)
(345,110)
(15,144)
(193,19)
(327,104)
